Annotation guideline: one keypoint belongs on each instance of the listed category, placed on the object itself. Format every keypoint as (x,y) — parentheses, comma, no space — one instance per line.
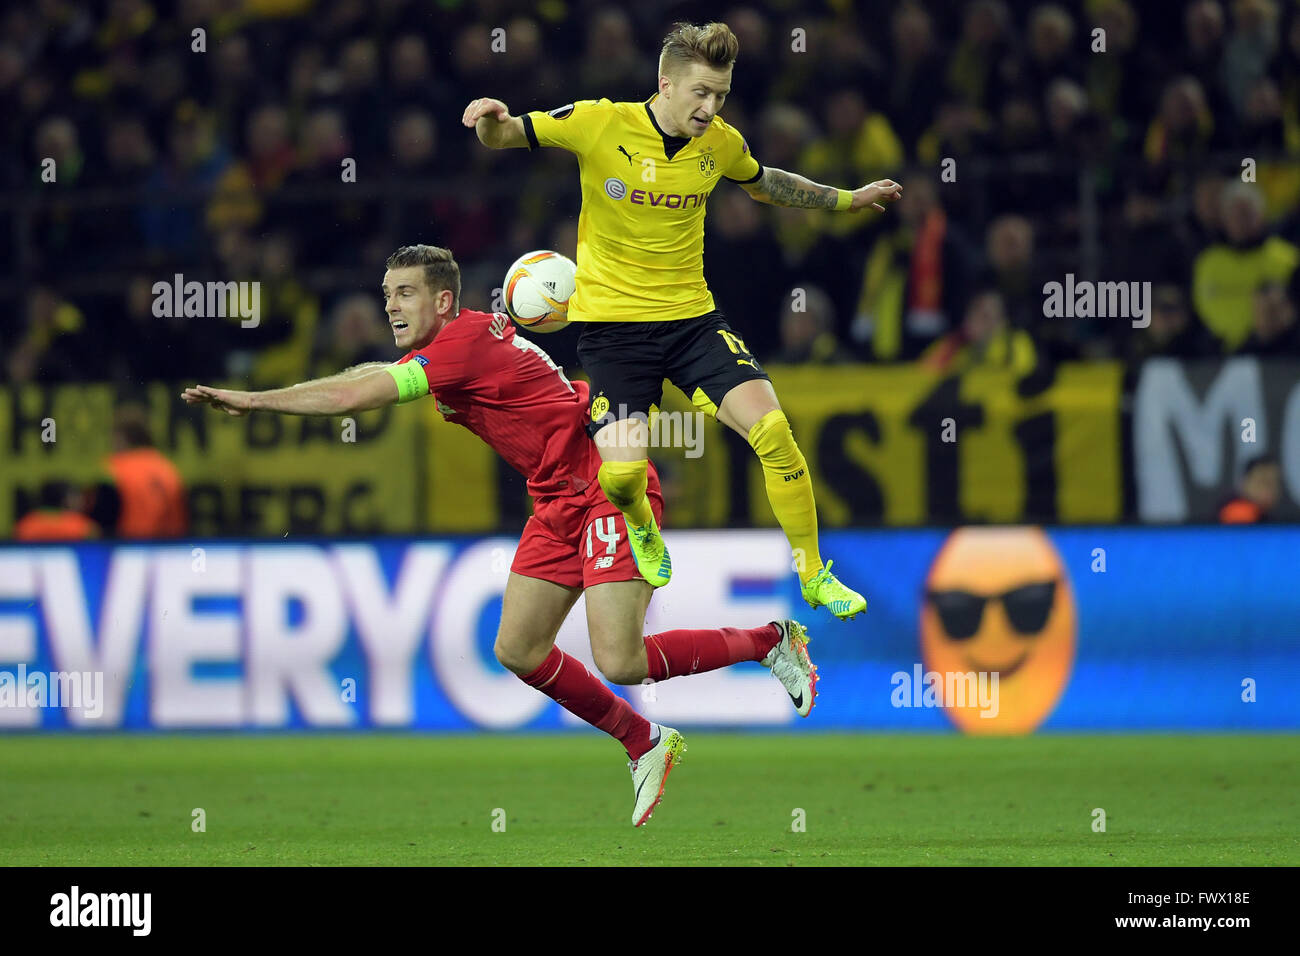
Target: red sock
(674,653)
(566,681)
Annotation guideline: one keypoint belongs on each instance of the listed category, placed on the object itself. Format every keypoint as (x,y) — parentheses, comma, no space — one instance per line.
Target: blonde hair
(712,45)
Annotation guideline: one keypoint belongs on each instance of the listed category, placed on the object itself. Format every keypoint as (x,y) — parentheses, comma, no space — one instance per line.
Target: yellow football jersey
(641,228)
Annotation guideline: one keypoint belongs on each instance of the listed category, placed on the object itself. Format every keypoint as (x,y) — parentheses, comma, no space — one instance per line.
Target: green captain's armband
(411,383)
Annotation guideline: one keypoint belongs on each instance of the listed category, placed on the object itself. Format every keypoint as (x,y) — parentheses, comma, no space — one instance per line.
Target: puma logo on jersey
(748,362)
(498,326)
(629,155)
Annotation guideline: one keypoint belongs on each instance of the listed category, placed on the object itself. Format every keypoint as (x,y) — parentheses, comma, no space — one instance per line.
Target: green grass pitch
(566,799)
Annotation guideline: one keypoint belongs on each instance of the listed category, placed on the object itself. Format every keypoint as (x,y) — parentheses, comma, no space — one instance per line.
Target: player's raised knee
(624,482)
(621,669)
(512,657)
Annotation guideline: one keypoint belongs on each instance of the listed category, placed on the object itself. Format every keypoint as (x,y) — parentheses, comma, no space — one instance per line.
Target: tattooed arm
(779,188)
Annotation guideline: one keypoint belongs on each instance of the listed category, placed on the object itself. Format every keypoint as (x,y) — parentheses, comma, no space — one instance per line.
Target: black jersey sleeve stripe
(752,179)
(529,132)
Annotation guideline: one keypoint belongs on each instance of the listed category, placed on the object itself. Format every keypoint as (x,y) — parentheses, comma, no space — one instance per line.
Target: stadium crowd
(1026,153)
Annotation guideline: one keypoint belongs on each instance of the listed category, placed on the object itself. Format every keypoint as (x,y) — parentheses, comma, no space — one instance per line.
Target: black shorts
(628,362)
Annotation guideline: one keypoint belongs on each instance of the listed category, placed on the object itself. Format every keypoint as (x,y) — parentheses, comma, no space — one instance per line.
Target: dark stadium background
(225,165)
(929,388)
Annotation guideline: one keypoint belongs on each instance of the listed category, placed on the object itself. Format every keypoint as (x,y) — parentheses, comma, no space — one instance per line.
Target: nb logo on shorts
(601,563)
(797,474)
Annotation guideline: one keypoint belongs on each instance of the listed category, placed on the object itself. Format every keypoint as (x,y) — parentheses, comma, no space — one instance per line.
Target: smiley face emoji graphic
(998,601)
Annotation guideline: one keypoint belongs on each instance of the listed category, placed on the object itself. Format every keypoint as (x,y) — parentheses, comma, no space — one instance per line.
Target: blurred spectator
(360,98)
(1228,273)
(984,339)
(357,332)
(1172,333)
(978,68)
(754,32)
(614,65)
(410,75)
(1251,45)
(1150,247)
(1200,54)
(526,66)
(1117,83)
(55,346)
(959,129)
(1257,493)
(744,268)
(1067,105)
(233,85)
(913,93)
(163,347)
(281,345)
(1020,127)
(1275,333)
(413,144)
(1262,125)
(844,57)
(58,516)
(859,145)
(784,133)
(1207,203)
(195,162)
(916,277)
(327,228)
(57,139)
(1009,248)
(1052,48)
(808,333)
(270,151)
(60,227)
(307,78)
(1181,130)
(144,496)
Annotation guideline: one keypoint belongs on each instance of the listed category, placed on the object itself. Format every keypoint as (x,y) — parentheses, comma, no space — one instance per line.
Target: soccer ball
(537,289)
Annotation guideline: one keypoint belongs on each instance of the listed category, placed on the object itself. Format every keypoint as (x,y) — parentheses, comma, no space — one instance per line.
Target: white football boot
(790,664)
(650,772)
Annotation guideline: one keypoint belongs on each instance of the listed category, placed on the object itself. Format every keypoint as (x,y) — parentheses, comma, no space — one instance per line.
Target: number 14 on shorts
(606,531)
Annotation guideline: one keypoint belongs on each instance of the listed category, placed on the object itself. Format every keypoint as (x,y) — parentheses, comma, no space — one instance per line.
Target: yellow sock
(624,484)
(789,489)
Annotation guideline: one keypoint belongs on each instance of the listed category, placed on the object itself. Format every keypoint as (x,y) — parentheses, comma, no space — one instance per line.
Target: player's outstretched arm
(495,127)
(335,395)
(780,188)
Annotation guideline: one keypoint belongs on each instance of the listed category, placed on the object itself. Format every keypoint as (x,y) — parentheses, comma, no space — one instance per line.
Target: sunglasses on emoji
(1026,607)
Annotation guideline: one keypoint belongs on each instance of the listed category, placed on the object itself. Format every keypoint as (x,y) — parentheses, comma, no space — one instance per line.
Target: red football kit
(509,393)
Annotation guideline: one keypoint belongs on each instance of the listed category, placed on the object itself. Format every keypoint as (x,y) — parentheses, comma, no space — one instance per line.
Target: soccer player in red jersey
(507,391)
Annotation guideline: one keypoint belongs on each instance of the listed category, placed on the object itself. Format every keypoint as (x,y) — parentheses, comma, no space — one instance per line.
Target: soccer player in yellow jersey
(647,169)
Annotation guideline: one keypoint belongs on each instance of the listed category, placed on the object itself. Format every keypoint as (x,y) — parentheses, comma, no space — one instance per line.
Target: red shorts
(581,540)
